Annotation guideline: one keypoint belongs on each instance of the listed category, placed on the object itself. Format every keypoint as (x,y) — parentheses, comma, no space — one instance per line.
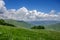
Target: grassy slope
(12,33)
(19,23)
(55,26)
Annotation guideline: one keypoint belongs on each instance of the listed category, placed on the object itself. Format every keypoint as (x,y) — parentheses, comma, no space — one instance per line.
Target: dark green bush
(38,27)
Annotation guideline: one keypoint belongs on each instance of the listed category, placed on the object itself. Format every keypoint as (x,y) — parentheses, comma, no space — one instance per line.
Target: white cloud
(2,3)
(26,15)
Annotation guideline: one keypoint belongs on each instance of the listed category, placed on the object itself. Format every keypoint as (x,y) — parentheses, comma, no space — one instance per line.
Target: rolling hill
(18,23)
(20,32)
(50,25)
(13,33)
(55,26)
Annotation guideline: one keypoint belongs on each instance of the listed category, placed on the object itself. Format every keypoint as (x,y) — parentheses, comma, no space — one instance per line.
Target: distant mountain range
(43,22)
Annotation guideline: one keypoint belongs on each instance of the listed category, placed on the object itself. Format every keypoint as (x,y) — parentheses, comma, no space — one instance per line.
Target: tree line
(2,22)
(38,27)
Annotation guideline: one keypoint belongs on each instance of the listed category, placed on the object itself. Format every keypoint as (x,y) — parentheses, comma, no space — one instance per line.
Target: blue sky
(40,5)
(30,10)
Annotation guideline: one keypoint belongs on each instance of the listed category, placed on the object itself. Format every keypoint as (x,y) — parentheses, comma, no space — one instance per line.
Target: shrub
(38,27)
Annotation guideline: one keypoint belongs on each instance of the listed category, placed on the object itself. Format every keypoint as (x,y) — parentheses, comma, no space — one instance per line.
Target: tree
(38,27)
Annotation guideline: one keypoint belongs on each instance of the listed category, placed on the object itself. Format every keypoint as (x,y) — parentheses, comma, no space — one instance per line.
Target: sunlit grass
(13,33)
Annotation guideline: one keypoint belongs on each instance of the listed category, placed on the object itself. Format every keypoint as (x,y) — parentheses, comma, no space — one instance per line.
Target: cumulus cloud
(27,15)
(2,3)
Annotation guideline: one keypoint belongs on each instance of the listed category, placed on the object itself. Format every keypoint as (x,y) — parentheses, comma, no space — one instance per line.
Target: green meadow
(13,33)
(10,31)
